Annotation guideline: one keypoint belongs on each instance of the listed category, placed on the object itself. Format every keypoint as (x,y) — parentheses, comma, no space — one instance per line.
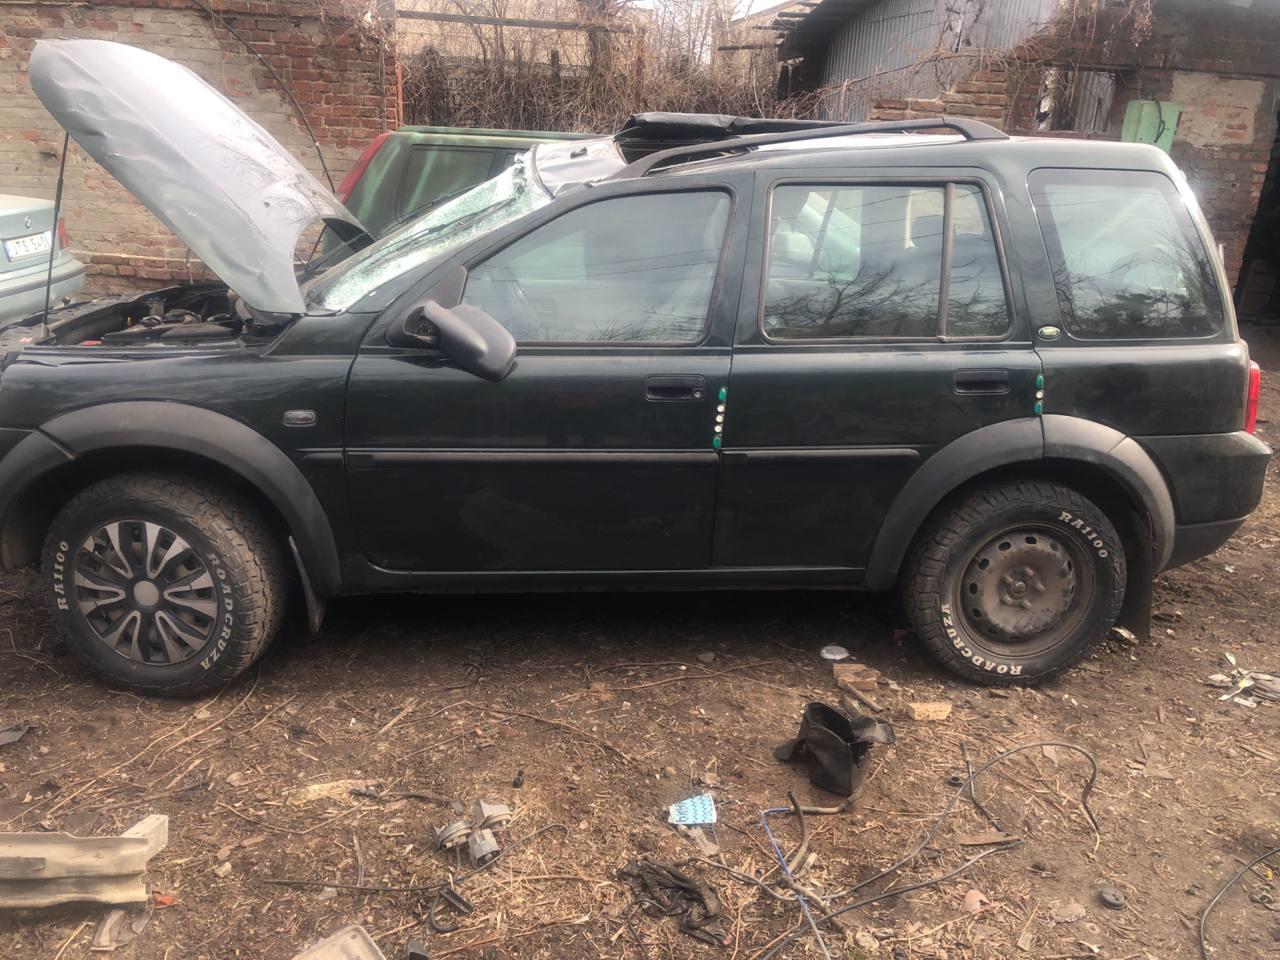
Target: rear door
(880,325)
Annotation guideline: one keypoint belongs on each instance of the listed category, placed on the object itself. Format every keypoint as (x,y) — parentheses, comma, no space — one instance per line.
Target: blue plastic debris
(695,810)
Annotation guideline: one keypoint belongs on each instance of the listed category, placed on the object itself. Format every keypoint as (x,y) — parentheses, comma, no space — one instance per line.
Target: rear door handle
(675,387)
(981,381)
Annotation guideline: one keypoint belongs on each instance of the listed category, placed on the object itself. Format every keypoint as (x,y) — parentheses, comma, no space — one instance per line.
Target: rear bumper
(1195,540)
(1216,481)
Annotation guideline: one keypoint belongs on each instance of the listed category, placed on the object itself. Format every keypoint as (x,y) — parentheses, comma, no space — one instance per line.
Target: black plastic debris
(834,746)
(14,732)
(663,890)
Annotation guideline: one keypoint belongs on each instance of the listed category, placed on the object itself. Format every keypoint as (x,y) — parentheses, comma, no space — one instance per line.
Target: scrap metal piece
(490,816)
(418,950)
(452,834)
(349,943)
(120,927)
(1112,898)
(47,869)
(14,732)
(482,847)
(455,900)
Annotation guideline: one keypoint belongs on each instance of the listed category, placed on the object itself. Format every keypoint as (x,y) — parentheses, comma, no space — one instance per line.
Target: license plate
(31,246)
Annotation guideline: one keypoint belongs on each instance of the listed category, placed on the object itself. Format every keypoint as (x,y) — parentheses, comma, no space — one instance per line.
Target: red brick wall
(340,73)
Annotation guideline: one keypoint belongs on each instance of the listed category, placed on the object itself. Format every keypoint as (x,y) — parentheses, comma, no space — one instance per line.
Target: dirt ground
(613,707)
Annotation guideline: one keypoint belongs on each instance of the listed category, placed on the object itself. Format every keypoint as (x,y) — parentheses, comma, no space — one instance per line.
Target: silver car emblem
(26,223)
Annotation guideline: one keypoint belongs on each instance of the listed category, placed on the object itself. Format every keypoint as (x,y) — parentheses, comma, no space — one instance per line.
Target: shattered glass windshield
(509,195)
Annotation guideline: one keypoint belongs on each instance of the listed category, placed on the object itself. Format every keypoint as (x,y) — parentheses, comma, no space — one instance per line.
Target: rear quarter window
(1127,261)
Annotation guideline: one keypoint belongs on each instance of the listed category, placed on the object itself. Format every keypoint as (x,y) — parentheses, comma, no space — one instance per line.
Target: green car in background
(401,173)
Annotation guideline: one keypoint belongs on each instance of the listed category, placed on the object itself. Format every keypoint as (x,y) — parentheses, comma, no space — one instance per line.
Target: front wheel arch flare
(206,435)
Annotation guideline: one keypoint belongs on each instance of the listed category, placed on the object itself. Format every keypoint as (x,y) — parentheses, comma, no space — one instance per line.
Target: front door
(597,452)
(883,330)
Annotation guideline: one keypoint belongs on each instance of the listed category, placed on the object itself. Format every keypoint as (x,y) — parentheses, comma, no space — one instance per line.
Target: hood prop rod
(53,237)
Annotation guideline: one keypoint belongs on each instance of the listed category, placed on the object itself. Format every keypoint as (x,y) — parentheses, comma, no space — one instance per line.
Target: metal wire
(1204,946)
(931,833)
(786,870)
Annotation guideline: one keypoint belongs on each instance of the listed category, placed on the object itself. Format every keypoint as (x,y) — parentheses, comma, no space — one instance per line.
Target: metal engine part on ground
(483,847)
(349,943)
(453,834)
(492,816)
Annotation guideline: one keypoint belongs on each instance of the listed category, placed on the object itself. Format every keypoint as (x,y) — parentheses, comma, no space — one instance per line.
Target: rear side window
(1126,258)
(866,261)
(638,269)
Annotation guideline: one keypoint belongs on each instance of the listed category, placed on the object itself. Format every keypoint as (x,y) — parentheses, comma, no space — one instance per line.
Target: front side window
(866,260)
(1126,258)
(637,269)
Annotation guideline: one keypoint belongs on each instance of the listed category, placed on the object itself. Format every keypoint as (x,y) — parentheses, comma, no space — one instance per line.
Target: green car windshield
(508,196)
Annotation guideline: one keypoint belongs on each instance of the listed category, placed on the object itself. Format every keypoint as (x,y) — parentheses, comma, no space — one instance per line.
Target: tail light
(62,234)
(348,185)
(1251,397)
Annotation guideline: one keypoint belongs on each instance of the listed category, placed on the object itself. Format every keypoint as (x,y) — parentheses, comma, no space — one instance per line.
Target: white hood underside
(219,181)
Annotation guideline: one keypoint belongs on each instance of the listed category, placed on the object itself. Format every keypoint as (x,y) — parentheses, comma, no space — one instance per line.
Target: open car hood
(219,181)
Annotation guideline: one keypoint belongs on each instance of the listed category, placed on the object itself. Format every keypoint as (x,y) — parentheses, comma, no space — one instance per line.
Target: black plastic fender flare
(188,429)
(996,445)
(1073,438)
(1017,441)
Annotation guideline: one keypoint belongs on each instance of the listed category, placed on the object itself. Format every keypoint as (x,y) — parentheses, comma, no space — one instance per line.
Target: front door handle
(674,387)
(981,381)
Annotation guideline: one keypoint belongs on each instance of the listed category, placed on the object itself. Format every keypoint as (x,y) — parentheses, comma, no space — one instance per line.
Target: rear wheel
(167,585)
(1016,582)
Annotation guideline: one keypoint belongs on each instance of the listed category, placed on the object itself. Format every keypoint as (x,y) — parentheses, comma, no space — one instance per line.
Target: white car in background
(28,236)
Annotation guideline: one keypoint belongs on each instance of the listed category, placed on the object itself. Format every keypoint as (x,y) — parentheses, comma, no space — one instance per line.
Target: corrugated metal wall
(881,47)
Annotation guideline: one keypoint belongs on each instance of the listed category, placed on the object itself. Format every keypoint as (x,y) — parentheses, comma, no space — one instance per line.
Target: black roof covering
(645,133)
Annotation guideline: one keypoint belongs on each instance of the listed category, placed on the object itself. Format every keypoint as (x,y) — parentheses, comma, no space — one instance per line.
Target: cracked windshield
(506,197)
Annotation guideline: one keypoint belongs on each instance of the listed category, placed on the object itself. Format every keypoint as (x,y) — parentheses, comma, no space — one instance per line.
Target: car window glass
(976,304)
(1127,261)
(625,270)
(854,261)
(434,173)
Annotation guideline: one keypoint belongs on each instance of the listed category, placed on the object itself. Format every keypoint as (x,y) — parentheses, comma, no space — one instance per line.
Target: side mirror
(468,336)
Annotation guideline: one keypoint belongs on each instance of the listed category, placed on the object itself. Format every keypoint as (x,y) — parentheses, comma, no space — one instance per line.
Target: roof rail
(969,129)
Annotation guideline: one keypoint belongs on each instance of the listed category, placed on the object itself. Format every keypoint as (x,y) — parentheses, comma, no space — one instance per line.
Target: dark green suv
(1001,375)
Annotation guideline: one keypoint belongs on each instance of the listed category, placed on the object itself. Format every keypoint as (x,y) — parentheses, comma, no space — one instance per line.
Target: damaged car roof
(216,178)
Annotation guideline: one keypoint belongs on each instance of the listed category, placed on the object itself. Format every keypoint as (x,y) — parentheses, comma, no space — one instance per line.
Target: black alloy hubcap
(145,592)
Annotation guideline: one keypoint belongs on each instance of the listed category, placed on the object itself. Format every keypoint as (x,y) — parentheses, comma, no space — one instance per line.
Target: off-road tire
(226,534)
(965,611)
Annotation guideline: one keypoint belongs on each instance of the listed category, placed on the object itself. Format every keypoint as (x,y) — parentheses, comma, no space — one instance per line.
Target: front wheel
(165,584)
(1015,583)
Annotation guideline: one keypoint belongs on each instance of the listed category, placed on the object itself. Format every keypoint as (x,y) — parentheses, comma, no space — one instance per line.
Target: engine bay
(181,315)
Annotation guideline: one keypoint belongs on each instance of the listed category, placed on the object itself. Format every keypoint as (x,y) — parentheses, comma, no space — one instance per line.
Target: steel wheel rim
(1024,590)
(145,592)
